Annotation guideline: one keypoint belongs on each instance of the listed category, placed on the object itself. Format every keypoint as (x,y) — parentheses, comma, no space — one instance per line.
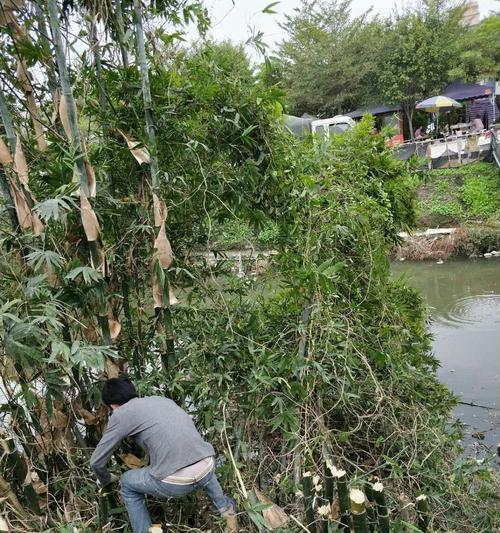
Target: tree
(479,52)
(418,54)
(329,58)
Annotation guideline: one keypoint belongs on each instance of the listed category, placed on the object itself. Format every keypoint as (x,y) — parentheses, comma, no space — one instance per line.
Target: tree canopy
(333,62)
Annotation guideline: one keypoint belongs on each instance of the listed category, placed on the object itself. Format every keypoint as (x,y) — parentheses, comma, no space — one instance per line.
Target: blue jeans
(137,484)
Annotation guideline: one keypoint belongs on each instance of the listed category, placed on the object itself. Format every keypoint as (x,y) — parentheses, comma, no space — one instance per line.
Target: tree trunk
(409,109)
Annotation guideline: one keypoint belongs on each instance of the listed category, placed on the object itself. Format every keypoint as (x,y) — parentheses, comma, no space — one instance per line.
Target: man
(419,132)
(477,124)
(180,461)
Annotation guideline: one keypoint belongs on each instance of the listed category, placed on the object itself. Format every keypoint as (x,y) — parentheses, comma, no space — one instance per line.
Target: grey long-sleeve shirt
(159,426)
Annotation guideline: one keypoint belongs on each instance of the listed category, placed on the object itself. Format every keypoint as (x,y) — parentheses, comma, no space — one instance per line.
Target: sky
(237,19)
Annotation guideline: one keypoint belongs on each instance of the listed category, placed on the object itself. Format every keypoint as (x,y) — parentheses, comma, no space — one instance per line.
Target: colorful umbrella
(438,103)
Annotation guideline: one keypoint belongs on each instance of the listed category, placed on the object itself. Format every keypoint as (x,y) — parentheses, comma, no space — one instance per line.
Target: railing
(454,150)
(495,147)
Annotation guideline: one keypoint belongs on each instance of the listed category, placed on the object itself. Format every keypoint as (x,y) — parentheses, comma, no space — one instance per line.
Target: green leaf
(40,258)
(89,275)
(54,208)
(269,8)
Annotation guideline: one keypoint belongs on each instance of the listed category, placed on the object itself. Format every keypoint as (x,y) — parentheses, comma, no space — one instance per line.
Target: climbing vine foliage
(121,154)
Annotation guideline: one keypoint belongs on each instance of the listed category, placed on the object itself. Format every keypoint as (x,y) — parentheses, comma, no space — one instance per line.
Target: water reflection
(464,301)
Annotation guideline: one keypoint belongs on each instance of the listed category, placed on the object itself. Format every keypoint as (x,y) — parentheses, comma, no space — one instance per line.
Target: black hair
(478,116)
(118,391)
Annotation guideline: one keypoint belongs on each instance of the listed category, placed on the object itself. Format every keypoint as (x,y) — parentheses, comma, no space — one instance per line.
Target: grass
(465,195)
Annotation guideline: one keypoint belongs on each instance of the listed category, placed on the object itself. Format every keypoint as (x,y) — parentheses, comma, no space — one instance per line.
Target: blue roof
(466,91)
(380,109)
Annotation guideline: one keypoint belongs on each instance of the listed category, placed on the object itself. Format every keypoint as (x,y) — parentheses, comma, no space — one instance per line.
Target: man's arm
(111,439)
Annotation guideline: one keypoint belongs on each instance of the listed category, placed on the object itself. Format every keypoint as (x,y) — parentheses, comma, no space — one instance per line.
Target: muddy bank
(462,241)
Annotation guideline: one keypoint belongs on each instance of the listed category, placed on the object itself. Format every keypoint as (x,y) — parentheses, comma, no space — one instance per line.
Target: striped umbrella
(438,103)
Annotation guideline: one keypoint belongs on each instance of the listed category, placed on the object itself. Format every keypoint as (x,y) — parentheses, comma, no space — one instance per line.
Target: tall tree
(479,52)
(418,54)
(329,57)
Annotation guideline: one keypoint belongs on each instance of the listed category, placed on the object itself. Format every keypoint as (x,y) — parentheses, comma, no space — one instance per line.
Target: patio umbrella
(438,103)
(435,104)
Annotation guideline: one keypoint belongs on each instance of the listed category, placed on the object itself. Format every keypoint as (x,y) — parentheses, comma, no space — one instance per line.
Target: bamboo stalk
(16,463)
(43,35)
(328,483)
(341,479)
(382,511)
(76,142)
(328,493)
(7,123)
(121,32)
(4,184)
(152,146)
(357,501)
(307,489)
(370,509)
(7,493)
(422,504)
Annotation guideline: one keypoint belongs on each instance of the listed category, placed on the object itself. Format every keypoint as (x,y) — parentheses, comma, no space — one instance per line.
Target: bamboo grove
(121,154)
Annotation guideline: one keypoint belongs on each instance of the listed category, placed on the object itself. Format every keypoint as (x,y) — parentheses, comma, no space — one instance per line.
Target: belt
(192,473)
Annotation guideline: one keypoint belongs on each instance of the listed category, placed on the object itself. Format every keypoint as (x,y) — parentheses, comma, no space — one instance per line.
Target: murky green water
(464,300)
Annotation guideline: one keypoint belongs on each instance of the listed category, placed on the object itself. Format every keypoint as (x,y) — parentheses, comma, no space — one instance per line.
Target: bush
(460,195)
(481,195)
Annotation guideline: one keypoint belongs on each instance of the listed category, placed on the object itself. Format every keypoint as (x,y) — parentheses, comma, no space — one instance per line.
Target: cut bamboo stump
(307,489)
(357,501)
(328,490)
(370,509)
(422,505)
(382,512)
(341,478)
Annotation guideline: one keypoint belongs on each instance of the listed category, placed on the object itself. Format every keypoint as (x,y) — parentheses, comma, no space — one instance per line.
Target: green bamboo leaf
(269,8)
(89,275)
(40,258)
(54,208)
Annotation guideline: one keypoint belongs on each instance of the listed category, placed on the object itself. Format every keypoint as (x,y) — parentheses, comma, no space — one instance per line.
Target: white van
(332,126)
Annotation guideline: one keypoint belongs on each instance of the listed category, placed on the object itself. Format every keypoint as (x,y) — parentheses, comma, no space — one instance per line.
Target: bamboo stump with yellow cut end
(156,528)
(422,505)
(357,500)
(382,512)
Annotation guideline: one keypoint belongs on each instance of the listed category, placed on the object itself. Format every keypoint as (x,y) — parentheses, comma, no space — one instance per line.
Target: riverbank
(462,241)
(465,199)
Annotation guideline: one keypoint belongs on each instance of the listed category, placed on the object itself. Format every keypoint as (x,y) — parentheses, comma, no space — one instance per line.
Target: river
(464,301)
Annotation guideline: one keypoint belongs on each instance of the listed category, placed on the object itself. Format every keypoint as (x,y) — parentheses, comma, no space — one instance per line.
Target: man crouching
(180,461)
